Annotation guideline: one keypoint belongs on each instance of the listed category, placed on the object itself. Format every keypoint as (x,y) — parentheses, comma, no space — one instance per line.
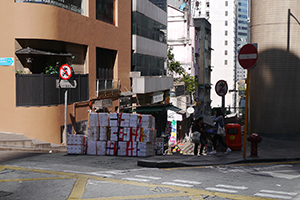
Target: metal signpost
(221,90)
(65,73)
(247,58)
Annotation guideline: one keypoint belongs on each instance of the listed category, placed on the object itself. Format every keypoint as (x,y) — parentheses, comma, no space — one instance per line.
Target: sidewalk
(272,148)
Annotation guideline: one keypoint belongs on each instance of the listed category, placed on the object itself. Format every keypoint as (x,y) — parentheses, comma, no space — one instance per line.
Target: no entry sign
(221,88)
(248,56)
(65,72)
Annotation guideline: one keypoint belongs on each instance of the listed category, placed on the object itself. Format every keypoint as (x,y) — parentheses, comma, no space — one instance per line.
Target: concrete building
(42,35)
(150,85)
(190,40)
(221,15)
(274,85)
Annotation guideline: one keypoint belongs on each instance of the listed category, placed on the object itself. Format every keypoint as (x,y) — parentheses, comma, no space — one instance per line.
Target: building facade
(94,37)
(274,92)
(221,15)
(150,84)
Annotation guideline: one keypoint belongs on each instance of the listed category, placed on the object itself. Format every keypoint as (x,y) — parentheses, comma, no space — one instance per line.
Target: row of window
(148,65)
(105,9)
(148,28)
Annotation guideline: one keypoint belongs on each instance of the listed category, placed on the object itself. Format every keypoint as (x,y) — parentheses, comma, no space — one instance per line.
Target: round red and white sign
(221,88)
(248,56)
(65,72)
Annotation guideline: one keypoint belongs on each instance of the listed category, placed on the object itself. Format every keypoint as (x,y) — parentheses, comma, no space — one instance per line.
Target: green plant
(190,82)
(54,69)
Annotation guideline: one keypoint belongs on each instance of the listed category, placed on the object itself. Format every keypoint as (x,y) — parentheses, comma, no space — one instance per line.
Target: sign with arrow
(6,61)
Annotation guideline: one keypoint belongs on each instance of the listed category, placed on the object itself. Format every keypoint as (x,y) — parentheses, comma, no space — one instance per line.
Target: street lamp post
(289,27)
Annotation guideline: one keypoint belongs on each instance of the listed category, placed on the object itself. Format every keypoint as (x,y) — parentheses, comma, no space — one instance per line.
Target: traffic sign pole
(247,57)
(65,73)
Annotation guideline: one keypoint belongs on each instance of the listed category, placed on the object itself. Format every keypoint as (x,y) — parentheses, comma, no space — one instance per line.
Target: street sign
(6,61)
(248,56)
(221,88)
(65,72)
(66,83)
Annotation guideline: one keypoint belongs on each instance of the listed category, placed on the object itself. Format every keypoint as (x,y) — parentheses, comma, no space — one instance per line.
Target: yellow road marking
(79,188)
(243,164)
(33,179)
(152,196)
(80,184)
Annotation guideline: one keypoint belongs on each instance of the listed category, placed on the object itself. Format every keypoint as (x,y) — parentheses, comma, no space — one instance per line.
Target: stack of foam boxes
(121,134)
(76,144)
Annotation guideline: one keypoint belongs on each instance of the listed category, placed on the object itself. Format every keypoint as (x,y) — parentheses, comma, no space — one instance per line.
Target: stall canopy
(156,108)
(31,51)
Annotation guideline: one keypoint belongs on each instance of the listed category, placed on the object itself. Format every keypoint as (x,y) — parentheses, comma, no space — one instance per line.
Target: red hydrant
(254,139)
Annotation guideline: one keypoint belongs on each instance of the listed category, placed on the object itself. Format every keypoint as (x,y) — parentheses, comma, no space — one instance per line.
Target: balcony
(148,84)
(41,90)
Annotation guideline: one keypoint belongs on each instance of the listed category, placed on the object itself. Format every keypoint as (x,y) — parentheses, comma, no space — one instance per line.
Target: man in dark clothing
(199,126)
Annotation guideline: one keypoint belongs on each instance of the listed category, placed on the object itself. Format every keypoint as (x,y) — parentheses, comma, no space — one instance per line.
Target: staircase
(19,142)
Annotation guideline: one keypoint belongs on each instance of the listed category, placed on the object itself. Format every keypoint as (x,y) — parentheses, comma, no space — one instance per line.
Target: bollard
(254,139)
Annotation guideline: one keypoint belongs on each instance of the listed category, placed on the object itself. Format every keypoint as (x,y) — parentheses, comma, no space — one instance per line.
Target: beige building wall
(274,83)
(40,21)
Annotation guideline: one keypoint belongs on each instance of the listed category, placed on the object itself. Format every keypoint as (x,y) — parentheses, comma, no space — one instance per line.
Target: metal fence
(40,90)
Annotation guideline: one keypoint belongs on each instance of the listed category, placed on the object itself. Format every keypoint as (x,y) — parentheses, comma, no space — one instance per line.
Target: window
(207,4)
(226,52)
(226,3)
(226,33)
(226,13)
(226,42)
(226,62)
(148,28)
(207,14)
(226,23)
(105,11)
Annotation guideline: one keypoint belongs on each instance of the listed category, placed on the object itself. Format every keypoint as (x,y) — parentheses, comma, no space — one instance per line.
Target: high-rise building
(221,15)
(150,84)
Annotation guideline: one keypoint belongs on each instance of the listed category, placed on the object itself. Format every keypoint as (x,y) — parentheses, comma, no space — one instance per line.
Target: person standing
(219,120)
(199,127)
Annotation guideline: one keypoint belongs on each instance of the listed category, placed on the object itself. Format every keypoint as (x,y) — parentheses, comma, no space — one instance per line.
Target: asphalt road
(59,176)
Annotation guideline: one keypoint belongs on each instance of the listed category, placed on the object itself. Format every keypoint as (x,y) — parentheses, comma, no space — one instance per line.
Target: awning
(157,108)
(31,51)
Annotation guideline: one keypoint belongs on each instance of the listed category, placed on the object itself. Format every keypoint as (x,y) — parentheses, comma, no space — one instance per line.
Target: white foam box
(135,134)
(159,146)
(133,120)
(111,148)
(148,121)
(103,119)
(147,135)
(145,149)
(124,134)
(76,149)
(114,133)
(91,148)
(122,146)
(124,120)
(76,139)
(93,133)
(101,148)
(131,149)
(113,119)
(103,133)
(94,119)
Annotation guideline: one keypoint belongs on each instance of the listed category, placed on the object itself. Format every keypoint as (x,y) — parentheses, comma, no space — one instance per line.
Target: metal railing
(107,85)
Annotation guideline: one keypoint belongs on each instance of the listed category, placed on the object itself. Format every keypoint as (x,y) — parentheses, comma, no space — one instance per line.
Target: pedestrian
(198,126)
(219,120)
